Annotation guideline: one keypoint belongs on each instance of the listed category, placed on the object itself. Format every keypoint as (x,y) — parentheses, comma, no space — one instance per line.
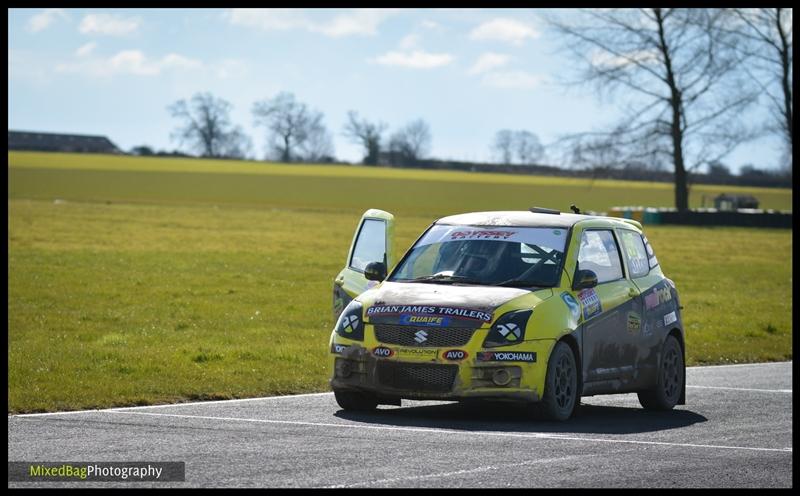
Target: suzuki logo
(421,336)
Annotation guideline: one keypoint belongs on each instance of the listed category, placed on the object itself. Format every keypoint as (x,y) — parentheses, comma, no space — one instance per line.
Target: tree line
(683,79)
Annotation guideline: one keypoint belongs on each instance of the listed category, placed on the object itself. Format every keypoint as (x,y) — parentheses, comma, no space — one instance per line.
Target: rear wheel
(561,385)
(670,379)
(356,401)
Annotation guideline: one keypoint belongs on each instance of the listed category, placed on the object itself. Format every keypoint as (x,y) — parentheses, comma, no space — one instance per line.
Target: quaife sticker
(424,310)
(634,322)
(455,355)
(507,356)
(670,318)
(424,320)
(590,302)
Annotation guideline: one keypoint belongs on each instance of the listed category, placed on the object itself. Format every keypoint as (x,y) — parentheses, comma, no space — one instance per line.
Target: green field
(139,281)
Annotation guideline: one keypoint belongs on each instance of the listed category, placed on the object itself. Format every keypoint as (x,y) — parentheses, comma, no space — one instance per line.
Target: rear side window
(652,261)
(635,253)
(598,253)
(370,245)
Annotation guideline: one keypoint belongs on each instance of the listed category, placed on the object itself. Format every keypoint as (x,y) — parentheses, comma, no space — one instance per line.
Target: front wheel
(670,379)
(353,400)
(561,384)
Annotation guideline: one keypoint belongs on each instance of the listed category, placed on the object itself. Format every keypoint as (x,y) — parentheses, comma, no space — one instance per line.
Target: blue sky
(467,72)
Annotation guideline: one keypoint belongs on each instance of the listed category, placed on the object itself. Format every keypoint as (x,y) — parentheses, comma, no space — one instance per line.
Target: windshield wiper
(445,279)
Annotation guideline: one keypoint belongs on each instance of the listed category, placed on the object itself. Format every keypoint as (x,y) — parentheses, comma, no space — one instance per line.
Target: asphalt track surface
(734,431)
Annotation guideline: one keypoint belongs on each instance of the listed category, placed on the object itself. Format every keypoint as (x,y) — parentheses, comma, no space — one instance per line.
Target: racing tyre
(670,379)
(561,385)
(355,401)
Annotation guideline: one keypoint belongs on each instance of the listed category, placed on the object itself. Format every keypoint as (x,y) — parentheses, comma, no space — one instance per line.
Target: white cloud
(360,22)
(512,80)
(600,58)
(489,61)
(504,29)
(409,41)
(85,50)
(417,59)
(108,24)
(428,24)
(44,19)
(129,62)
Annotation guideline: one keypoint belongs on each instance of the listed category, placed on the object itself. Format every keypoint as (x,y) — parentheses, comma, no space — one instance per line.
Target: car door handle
(633,293)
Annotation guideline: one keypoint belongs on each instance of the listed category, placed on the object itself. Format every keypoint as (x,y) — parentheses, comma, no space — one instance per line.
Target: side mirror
(584,279)
(375,271)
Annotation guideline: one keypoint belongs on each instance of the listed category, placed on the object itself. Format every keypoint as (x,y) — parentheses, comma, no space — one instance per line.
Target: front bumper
(424,374)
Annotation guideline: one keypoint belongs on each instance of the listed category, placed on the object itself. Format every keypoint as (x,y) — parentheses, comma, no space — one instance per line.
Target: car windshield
(494,256)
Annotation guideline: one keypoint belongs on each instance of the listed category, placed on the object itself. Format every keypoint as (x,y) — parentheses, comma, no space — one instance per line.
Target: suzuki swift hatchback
(539,306)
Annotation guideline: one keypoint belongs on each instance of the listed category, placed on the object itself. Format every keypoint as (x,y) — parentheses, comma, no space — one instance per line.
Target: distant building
(53,142)
(733,202)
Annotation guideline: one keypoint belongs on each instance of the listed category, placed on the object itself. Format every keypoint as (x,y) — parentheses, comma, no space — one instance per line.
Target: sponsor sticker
(421,310)
(670,318)
(482,234)
(382,352)
(428,353)
(572,304)
(507,356)
(634,322)
(424,320)
(657,297)
(647,329)
(339,348)
(590,302)
(455,355)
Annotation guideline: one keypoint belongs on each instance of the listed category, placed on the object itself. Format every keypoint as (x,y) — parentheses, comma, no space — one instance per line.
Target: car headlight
(508,329)
(351,322)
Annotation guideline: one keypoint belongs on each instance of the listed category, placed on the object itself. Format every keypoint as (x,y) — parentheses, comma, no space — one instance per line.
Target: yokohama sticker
(455,355)
(590,302)
(670,318)
(507,356)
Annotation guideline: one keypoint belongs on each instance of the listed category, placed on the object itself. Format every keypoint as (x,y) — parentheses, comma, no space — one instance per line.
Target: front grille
(417,377)
(434,336)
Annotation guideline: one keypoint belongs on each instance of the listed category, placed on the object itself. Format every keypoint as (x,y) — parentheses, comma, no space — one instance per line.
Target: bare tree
(764,38)
(503,146)
(529,149)
(678,78)
(367,134)
(411,143)
(206,127)
(318,145)
(290,124)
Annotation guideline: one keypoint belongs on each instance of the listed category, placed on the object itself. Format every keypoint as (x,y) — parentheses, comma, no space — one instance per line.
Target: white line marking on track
(744,389)
(240,400)
(532,435)
(457,472)
(737,365)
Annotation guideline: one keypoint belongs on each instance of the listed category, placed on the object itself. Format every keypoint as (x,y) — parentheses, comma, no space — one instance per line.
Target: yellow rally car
(536,306)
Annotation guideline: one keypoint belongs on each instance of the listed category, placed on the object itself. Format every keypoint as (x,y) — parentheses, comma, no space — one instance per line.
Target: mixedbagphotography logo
(96,471)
